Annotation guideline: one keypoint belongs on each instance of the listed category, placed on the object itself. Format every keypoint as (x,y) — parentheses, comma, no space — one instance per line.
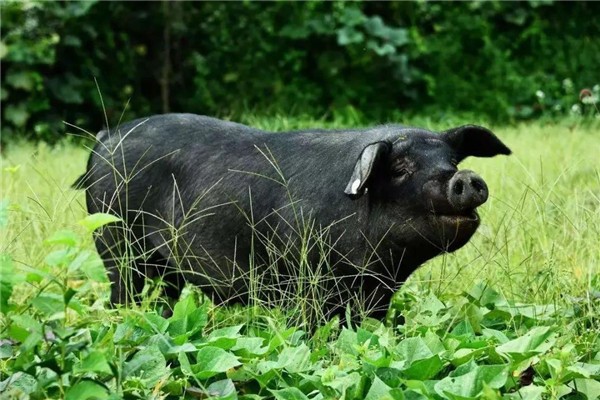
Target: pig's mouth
(455,230)
(467,217)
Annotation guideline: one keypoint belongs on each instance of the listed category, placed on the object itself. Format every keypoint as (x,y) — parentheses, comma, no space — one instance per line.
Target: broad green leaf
(412,349)
(432,304)
(536,341)
(224,338)
(23,326)
(68,296)
(222,390)
(530,392)
(264,373)
(163,343)
(80,262)
(532,311)
(499,336)
(432,340)
(432,312)
(367,337)
(176,350)
(64,237)
(555,367)
(60,258)
(20,381)
(347,342)
(426,388)
(295,359)
(49,303)
(381,391)
(93,362)
(465,368)
(486,296)
(290,393)
(188,318)
(280,338)
(585,370)
(6,350)
(341,381)
(212,361)
(155,323)
(228,332)
(93,267)
(248,346)
(424,369)
(85,390)
(589,387)
(129,332)
(471,384)
(562,390)
(375,358)
(463,329)
(183,308)
(496,318)
(149,365)
(184,363)
(95,221)
(461,356)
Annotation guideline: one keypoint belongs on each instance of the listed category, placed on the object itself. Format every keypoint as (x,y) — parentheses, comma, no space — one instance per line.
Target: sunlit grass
(539,236)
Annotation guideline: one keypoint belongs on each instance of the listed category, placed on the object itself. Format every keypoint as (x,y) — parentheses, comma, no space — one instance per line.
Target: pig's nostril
(458,187)
(478,185)
(466,191)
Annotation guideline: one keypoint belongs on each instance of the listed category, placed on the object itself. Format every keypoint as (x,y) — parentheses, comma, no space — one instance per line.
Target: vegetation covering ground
(515,314)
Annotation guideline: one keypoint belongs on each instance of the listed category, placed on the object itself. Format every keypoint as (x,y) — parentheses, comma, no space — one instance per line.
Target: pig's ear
(364,168)
(473,140)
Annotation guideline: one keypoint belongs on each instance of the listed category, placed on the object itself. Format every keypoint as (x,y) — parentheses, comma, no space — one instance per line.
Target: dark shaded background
(378,61)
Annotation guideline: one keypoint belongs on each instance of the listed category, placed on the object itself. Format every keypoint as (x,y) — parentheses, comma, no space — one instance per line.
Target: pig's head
(413,180)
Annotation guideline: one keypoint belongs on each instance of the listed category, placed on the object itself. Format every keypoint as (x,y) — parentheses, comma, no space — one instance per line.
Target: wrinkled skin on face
(385,199)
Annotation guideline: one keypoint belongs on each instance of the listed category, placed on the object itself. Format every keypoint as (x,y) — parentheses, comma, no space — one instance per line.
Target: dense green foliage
(377,60)
(477,345)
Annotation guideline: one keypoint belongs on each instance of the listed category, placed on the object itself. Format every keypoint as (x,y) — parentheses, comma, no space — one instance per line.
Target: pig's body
(216,199)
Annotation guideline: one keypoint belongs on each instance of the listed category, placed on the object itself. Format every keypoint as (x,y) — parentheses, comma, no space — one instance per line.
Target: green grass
(523,293)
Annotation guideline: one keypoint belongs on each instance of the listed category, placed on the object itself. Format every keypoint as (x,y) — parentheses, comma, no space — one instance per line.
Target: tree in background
(380,60)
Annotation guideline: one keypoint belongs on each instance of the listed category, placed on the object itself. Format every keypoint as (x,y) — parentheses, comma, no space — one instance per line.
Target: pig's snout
(467,190)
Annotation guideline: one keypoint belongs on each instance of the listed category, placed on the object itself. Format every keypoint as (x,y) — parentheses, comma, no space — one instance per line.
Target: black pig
(218,204)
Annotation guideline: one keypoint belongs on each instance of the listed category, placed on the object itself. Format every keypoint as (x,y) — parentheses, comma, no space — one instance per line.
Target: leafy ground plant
(514,315)
(474,345)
